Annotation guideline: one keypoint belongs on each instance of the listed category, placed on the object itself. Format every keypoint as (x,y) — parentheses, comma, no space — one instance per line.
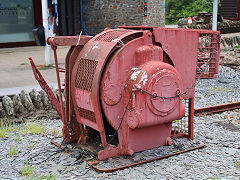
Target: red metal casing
(134,78)
(117,61)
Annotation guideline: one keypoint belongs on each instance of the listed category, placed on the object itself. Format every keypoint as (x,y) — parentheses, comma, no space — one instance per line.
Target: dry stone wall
(27,104)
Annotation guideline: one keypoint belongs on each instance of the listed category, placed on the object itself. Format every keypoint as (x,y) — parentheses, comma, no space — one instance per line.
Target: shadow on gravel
(228,126)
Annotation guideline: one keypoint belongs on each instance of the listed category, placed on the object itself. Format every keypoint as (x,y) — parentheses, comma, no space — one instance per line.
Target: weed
(177,120)
(207,95)
(32,128)
(6,128)
(55,132)
(49,177)
(12,150)
(212,178)
(30,145)
(60,133)
(3,133)
(237,164)
(229,71)
(17,138)
(221,89)
(27,170)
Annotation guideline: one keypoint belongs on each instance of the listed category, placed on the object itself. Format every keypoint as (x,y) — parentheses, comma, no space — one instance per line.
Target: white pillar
(46,31)
(215,12)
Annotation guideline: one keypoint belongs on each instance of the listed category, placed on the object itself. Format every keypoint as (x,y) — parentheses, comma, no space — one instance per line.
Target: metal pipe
(217,108)
(59,85)
(215,12)
(144,161)
(190,118)
(46,31)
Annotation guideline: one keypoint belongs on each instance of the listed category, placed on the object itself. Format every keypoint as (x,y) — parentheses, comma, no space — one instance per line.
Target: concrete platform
(15,70)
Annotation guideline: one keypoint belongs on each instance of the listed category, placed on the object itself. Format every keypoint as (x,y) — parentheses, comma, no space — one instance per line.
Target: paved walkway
(15,70)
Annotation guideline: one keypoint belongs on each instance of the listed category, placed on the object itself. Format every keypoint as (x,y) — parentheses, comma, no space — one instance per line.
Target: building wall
(112,13)
(231,9)
(155,13)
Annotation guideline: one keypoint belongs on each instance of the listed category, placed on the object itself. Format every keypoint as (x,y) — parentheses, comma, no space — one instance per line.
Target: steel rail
(141,162)
(217,108)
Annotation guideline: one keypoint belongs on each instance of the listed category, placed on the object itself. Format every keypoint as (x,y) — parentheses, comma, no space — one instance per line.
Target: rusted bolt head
(154,95)
(177,91)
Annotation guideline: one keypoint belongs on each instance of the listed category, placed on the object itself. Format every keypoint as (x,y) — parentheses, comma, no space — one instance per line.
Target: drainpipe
(215,12)
(46,31)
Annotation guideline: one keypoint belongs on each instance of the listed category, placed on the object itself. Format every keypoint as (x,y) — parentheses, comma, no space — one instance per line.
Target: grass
(237,164)
(6,128)
(30,145)
(207,95)
(221,89)
(27,170)
(177,121)
(48,177)
(3,133)
(12,150)
(17,138)
(32,128)
(55,132)
(28,128)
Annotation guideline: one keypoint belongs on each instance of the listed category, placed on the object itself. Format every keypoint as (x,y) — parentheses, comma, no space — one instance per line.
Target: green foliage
(17,138)
(27,170)
(28,128)
(32,128)
(179,8)
(3,133)
(6,128)
(49,177)
(237,164)
(221,89)
(12,150)
(30,144)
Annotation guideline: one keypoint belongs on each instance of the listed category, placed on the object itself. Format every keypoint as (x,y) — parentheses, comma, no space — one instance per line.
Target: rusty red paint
(104,76)
(94,163)
(217,108)
(45,87)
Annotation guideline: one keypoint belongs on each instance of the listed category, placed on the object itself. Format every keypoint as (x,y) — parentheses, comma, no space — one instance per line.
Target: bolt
(169,141)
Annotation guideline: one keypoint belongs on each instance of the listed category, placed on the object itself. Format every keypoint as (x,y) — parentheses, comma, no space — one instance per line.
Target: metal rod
(59,145)
(215,12)
(190,118)
(217,108)
(146,161)
(59,84)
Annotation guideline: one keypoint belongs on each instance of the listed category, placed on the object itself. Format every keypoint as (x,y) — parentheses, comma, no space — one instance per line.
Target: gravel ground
(224,89)
(219,159)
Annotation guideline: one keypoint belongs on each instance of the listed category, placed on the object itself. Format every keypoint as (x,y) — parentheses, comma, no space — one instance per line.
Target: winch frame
(73,127)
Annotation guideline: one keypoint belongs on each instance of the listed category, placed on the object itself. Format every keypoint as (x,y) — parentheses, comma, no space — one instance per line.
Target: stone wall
(27,105)
(112,13)
(155,14)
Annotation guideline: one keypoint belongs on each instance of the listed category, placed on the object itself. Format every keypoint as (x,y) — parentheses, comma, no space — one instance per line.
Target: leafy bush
(180,8)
